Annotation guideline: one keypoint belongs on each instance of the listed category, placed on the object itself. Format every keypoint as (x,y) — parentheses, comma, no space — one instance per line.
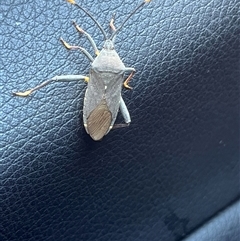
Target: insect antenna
(129,16)
(90,16)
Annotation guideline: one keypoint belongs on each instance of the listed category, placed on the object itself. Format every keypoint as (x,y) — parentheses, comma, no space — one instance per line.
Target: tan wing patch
(99,121)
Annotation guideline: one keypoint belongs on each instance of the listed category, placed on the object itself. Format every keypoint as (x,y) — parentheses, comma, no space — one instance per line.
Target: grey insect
(103,97)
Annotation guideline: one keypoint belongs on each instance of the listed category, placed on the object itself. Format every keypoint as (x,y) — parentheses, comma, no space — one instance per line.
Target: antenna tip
(71,1)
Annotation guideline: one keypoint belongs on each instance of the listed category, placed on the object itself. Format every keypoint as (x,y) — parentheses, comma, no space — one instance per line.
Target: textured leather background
(171,171)
(224,227)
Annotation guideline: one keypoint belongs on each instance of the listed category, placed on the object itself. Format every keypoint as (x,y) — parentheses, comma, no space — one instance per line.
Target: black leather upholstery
(176,166)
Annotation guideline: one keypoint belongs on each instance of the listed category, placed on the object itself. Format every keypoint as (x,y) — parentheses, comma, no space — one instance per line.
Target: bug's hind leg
(125,114)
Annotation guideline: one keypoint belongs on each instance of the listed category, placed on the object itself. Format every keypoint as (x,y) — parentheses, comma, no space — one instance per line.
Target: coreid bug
(103,96)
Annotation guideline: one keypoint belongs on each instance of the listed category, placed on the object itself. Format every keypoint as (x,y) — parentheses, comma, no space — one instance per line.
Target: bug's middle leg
(125,83)
(60,78)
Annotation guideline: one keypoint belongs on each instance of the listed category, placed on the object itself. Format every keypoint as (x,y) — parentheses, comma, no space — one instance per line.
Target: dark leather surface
(224,227)
(176,166)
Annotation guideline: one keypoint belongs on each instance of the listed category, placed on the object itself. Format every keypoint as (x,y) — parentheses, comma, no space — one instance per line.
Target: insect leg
(112,26)
(70,47)
(60,78)
(125,84)
(80,30)
(125,114)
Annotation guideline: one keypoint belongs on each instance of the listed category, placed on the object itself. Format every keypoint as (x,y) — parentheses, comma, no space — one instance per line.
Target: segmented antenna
(89,15)
(99,26)
(129,16)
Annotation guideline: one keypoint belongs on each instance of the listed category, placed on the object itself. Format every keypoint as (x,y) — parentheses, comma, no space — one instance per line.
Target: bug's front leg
(133,71)
(60,78)
(112,26)
(74,47)
(127,69)
(80,30)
